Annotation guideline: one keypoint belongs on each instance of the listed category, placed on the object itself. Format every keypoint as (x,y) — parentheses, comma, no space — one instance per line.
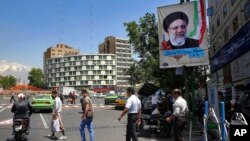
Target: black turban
(172,17)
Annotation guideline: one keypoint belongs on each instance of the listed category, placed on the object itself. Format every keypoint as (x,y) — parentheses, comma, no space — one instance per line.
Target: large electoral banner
(182,35)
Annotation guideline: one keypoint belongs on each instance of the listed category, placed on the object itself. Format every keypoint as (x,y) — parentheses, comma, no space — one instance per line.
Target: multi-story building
(58,51)
(82,71)
(122,49)
(229,23)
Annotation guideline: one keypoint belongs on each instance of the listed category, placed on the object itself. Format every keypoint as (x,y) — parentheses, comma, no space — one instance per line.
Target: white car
(100,95)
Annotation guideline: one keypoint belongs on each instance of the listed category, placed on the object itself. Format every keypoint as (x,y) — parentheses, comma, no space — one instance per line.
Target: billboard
(182,35)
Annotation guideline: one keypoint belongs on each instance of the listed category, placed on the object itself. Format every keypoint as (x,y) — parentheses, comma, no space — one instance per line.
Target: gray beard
(177,41)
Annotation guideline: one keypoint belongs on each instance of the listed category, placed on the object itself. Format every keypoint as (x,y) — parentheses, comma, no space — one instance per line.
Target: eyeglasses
(176,27)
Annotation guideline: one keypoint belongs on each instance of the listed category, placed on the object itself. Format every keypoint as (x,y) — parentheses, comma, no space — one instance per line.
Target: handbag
(90,113)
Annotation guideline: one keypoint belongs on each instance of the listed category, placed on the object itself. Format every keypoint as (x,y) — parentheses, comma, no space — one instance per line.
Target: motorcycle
(155,124)
(20,129)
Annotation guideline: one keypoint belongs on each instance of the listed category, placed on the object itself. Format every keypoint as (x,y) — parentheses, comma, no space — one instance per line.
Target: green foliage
(8,82)
(144,36)
(36,78)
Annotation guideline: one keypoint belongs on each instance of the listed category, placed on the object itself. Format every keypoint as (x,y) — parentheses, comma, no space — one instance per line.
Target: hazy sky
(29,27)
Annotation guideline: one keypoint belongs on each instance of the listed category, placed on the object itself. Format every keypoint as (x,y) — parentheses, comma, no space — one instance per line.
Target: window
(218,21)
(108,50)
(225,11)
(212,29)
(247,10)
(233,2)
(235,24)
(226,34)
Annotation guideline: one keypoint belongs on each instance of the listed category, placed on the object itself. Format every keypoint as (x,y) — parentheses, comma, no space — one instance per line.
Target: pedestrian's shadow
(12,139)
(51,138)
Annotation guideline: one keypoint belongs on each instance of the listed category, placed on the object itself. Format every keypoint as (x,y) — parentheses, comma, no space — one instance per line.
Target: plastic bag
(156,111)
(55,125)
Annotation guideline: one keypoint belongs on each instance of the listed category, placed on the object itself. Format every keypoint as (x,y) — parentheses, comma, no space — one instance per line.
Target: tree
(134,74)
(36,78)
(8,82)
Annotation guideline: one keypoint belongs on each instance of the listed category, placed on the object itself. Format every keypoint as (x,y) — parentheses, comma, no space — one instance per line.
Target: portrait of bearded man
(175,25)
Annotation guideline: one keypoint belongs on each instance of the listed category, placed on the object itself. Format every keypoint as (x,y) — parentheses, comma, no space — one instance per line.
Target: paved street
(105,123)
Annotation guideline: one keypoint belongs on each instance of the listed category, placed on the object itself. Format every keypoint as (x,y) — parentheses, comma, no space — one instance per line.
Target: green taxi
(42,102)
(110,98)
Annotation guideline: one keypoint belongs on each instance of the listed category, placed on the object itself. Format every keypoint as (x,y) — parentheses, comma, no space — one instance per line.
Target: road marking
(9,121)
(2,109)
(44,122)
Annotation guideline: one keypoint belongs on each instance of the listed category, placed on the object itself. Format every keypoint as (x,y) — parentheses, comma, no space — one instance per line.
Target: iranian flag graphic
(199,21)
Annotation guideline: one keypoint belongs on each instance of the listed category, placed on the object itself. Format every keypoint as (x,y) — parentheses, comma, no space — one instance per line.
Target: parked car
(120,102)
(147,104)
(100,95)
(151,123)
(110,98)
(42,102)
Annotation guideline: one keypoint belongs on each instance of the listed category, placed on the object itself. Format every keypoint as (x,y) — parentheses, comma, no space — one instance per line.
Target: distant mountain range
(19,71)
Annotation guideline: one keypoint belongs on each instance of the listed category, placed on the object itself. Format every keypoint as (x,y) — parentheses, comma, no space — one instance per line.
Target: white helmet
(21,96)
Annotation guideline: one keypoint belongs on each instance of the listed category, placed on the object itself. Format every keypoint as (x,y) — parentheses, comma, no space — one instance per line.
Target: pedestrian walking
(87,116)
(133,108)
(57,114)
(180,110)
(12,97)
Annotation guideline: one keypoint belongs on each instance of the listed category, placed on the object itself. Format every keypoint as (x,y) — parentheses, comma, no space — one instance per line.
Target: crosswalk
(67,106)
(95,106)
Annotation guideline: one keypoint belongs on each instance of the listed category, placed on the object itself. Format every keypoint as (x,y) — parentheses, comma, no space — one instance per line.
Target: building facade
(82,71)
(58,51)
(229,23)
(122,49)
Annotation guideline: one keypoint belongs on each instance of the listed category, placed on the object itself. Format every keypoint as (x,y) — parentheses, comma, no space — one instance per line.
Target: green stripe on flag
(195,21)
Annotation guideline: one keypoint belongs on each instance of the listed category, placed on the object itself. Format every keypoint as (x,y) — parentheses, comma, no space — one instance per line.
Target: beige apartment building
(229,26)
(122,49)
(58,51)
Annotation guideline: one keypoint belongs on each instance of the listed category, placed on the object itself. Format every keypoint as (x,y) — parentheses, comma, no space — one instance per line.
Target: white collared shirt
(180,107)
(133,104)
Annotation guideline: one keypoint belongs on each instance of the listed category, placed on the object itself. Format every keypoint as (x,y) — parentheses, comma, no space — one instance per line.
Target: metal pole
(222,114)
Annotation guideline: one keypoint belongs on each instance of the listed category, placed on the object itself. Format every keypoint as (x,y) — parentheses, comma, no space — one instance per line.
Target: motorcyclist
(22,110)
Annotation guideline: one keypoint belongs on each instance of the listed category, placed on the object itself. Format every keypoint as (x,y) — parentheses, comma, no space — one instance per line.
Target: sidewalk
(198,134)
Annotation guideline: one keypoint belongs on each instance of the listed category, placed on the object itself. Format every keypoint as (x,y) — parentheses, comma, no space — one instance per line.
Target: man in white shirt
(180,110)
(133,108)
(57,113)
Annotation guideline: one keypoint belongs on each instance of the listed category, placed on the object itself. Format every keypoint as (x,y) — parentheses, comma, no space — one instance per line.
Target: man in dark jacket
(22,109)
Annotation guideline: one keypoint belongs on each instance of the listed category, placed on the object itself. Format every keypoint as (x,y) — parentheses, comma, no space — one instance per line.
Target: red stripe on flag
(203,26)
